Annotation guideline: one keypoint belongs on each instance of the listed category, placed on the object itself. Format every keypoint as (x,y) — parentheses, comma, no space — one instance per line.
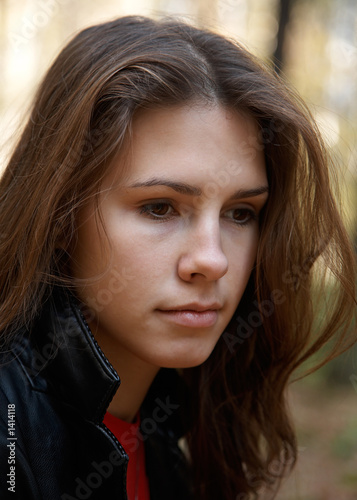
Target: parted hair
(238,429)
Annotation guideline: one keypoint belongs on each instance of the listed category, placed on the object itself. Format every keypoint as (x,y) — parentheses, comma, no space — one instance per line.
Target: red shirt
(128,435)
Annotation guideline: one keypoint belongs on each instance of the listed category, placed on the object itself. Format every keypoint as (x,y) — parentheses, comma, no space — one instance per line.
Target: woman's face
(181,235)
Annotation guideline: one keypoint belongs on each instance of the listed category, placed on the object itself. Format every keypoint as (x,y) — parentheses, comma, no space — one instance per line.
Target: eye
(159,210)
(241,216)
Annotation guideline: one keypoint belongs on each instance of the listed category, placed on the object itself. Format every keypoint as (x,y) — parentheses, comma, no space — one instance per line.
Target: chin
(186,360)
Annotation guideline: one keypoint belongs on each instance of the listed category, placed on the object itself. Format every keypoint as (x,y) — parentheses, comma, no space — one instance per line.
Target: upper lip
(194,306)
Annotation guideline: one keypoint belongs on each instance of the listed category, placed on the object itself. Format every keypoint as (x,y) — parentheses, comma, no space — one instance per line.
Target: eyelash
(148,209)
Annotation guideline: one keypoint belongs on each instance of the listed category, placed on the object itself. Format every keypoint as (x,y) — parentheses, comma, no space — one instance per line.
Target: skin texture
(179,234)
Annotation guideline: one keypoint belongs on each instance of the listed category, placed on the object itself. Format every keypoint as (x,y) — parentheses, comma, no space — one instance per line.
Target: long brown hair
(238,429)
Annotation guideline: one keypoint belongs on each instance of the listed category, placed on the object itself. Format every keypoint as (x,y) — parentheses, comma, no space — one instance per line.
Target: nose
(203,255)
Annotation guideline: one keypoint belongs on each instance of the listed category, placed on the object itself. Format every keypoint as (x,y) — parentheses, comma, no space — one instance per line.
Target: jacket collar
(62,357)
(65,359)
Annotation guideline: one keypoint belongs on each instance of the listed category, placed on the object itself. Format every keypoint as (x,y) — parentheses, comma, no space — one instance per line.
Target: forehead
(193,143)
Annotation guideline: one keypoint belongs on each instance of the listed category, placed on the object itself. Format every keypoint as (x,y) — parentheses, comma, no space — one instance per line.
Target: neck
(136,377)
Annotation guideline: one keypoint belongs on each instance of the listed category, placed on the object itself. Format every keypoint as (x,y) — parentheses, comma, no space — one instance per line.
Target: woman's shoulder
(24,390)
(55,440)
(17,369)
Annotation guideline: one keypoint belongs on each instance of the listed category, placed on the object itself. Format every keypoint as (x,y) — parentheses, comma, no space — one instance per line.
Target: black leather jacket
(55,387)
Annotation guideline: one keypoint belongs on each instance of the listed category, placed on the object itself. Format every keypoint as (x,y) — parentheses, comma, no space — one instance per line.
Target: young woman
(162,218)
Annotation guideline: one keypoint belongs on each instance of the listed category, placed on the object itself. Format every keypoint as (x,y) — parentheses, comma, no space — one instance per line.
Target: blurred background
(313,44)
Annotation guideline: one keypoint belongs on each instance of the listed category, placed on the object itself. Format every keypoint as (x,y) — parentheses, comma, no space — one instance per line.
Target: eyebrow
(249,193)
(180,187)
(188,189)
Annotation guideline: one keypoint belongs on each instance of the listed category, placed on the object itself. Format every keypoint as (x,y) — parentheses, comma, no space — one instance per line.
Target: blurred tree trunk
(284,7)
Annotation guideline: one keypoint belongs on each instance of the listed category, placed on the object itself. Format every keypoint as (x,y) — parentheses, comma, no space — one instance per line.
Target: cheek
(146,255)
(131,275)
(241,261)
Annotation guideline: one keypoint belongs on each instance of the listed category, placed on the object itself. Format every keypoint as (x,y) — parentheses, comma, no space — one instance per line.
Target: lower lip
(193,319)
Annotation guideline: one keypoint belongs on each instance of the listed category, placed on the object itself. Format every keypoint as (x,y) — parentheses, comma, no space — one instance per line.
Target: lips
(195,306)
(194,315)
